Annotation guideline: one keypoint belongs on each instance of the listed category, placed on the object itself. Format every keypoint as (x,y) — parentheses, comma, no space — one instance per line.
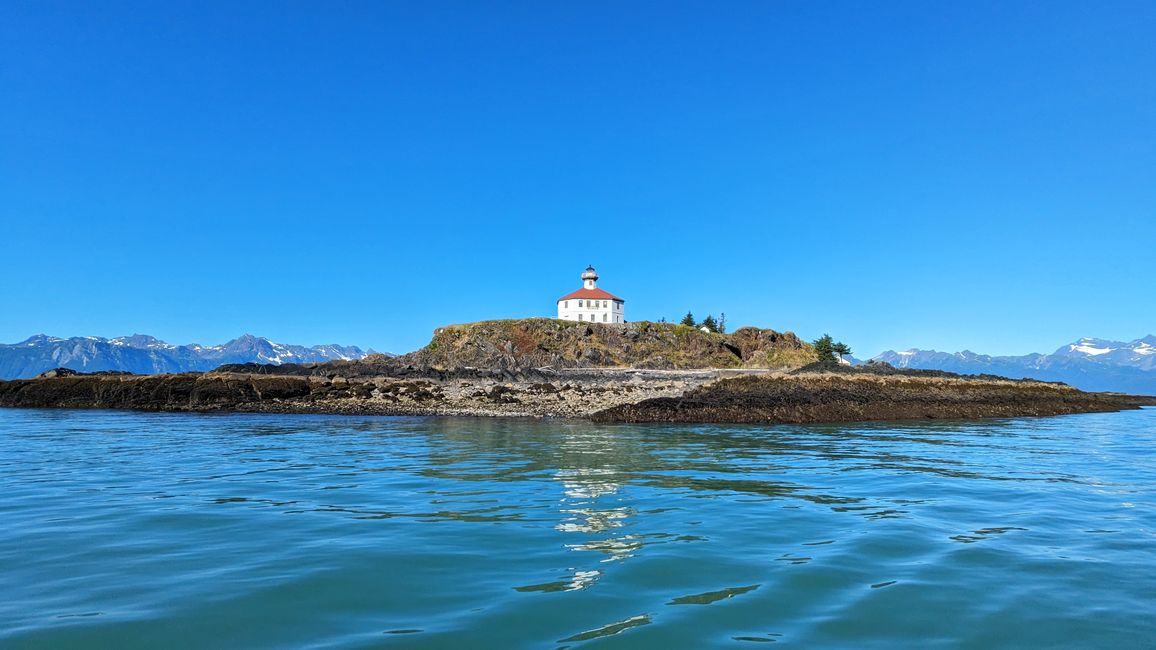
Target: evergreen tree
(710,323)
(824,347)
(722,323)
(841,349)
(688,320)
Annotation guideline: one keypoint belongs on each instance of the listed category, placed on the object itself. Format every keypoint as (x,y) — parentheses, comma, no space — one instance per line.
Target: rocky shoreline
(857,397)
(813,394)
(467,392)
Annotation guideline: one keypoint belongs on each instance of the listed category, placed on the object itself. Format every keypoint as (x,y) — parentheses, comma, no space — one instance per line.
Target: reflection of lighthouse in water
(582,488)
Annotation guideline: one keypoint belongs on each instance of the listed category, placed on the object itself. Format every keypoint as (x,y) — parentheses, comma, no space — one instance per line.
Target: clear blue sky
(935,174)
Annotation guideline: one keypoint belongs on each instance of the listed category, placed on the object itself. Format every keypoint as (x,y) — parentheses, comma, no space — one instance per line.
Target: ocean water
(130,530)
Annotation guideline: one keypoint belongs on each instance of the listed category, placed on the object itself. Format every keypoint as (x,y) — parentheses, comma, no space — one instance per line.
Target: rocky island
(629,372)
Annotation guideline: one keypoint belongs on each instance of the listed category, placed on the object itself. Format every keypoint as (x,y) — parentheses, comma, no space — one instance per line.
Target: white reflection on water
(582,488)
(586,483)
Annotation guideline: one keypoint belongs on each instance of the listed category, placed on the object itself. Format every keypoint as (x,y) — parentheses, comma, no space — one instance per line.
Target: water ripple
(126,530)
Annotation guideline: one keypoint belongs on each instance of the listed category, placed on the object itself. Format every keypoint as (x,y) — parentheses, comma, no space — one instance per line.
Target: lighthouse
(591,304)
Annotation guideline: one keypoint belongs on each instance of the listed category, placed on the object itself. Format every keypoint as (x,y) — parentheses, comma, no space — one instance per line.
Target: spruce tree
(710,323)
(722,323)
(825,348)
(841,349)
(688,320)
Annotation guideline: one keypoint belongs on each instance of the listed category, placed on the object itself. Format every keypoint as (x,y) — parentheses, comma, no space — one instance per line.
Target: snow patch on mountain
(1087,349)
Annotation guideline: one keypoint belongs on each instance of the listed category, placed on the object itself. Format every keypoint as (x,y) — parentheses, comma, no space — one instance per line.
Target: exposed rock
(58,372)
(862,396)
(604,395)
(567,394)
(69,372)
(544,342)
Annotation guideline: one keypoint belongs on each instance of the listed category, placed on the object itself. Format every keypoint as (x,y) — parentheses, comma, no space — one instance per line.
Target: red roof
(593,294)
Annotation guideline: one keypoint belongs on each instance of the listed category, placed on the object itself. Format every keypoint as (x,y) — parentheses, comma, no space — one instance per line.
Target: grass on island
(639,344)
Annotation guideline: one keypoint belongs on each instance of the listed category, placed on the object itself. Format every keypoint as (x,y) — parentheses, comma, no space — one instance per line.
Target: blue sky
(975,175)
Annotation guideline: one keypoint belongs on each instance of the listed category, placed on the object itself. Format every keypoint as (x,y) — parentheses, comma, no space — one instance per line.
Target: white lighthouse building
(590,303)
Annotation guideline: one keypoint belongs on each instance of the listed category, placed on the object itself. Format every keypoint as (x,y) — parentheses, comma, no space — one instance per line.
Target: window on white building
(579,316)
(580,304)
(603,318)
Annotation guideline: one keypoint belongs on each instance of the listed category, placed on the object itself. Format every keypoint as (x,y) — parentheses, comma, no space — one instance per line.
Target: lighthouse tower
(590,278)
(591,304)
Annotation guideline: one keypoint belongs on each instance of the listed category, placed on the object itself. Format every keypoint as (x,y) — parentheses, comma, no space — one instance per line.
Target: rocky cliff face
(542,342)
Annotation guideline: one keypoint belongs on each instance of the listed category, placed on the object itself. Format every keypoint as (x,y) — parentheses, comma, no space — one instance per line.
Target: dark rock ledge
(812,394)
(855,397)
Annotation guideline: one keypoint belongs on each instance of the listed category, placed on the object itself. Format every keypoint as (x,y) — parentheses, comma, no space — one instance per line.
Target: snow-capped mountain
(1090,364)
(1140,353)
(144,354)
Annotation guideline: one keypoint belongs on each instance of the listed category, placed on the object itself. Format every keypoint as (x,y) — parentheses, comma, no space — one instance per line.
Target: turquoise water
(129,530)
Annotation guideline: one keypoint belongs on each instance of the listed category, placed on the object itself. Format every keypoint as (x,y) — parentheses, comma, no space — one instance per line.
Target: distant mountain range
(143,354)
(1090,364)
